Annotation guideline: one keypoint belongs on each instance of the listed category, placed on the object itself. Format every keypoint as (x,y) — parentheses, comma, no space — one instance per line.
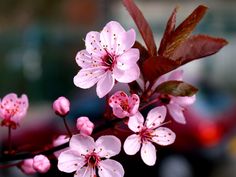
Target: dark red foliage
(196,47)
(142,25)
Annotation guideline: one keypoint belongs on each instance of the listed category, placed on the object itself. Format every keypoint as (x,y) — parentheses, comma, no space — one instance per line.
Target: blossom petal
(176,75)
(69,161)
(110,168)
(128,59)
(109,36)
(163,136)
(86,60)
(132,144)
(108,146)
(135,122)
(119,112)
(93,44)
(155,117)
(176,113)
(148,153)
(85,172)
(184,100)
(82,143)
(117,98)
(134,103)
(126,41)
(86,78)
(105,84)
(127,76)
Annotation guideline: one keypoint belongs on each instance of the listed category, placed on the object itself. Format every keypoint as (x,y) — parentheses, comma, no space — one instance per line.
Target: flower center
(165,99)
(92,159)
(124,105)
(146,134)
(109,61)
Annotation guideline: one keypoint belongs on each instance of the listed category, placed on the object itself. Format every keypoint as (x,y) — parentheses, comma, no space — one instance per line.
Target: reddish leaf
(170,27)
(176,88)
(198,46)
(142,25)
(183,31)
(156,66)
(143,53)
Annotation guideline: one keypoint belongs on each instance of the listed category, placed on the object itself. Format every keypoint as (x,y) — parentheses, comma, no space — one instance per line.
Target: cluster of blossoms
(112,56)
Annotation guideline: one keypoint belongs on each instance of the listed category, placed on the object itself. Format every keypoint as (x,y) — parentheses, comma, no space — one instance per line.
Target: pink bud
(41,163)
(84,125)
(27,167)
(61,106)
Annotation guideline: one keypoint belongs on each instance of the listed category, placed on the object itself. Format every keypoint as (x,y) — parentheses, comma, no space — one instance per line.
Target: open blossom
(61,106)
(85,155)
(175,104)
(108,57)
(84,125)
(123,105)
(41,163)
(148,132)
(13,109)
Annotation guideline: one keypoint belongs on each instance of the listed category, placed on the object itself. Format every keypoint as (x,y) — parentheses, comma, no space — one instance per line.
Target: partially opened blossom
(62,139)
(41,163)
(61,106)
(85,156)
(108,57)
(124,105)
(84,125)
(147,133)
(13,109)
(175,104)
(26,167)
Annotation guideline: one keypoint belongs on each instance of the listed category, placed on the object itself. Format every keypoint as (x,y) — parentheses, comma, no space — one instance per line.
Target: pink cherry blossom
(27,167)
(84,125)
(123,105)
(85,156)
(148,132)
(13,109)
(41,163)
(59,141)
(108,57)
(61,106)
(175,104)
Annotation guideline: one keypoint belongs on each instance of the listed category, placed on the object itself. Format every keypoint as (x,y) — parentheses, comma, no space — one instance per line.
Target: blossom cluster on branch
(110,56)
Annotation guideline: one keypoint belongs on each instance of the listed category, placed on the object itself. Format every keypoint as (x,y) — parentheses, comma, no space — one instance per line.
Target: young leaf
(170,27)
(142,25)
(183,31)
(176,88)
(156,66)
(196,47)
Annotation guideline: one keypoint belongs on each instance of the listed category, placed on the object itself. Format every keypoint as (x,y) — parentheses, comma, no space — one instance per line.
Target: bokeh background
(38,43)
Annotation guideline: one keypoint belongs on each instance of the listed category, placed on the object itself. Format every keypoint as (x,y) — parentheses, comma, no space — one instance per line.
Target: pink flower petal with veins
(155,117)
(163,136)
(148,153)
(110,168)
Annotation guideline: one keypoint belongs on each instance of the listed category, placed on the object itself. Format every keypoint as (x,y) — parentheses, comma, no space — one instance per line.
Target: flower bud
(41,163)
(84,125)
(27,167)
(61,106)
